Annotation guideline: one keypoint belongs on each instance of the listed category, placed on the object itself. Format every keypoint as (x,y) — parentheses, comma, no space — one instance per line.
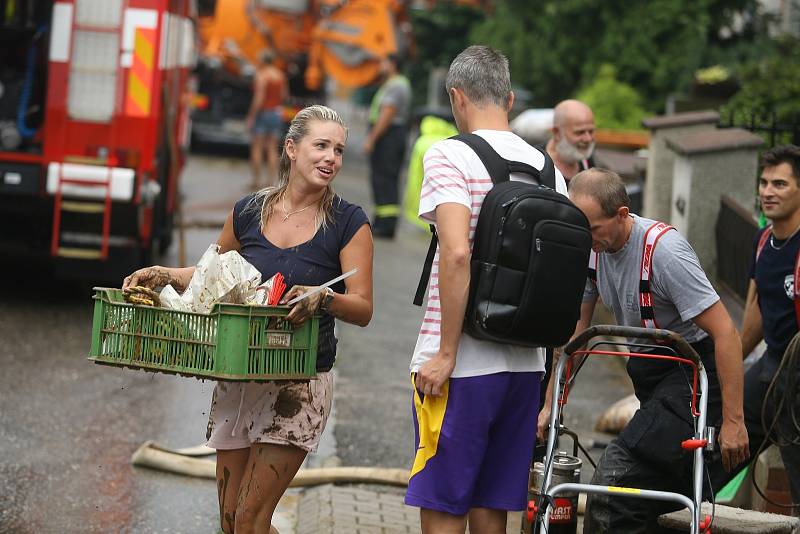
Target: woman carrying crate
(263,431)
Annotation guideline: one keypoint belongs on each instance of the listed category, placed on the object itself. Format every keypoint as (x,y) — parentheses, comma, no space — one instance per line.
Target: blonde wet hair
(266,199)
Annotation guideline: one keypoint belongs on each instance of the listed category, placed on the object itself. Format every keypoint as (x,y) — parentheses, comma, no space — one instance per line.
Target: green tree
(770,86)
(556,46)
(616,104)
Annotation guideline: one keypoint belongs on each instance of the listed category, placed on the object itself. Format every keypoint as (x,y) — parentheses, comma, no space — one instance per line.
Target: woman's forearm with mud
(179,277)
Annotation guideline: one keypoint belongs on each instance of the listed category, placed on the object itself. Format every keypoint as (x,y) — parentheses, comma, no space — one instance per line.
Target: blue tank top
(310,264)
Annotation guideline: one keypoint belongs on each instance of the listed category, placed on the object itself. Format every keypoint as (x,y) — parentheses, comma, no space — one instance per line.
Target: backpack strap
(426,269)
(547,177)
(762,241)
(500,168)
(651,237)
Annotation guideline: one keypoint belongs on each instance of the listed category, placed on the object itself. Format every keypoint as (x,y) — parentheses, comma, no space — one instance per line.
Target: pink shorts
(284,412)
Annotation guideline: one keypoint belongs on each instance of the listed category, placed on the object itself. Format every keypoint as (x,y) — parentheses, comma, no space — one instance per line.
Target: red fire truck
(93,126)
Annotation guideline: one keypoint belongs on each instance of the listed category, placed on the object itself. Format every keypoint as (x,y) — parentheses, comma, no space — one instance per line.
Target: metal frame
(684,354)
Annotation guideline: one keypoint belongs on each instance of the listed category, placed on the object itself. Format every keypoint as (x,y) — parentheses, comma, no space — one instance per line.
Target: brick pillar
(707,165)
(660,159)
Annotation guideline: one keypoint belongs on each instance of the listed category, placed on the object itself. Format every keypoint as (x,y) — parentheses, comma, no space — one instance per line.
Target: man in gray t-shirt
(386,144)
(647,454)
(681,289)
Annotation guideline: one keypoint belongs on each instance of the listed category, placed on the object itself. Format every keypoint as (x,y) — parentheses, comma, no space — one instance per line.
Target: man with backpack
(649,276)
(475,401)
(772,312)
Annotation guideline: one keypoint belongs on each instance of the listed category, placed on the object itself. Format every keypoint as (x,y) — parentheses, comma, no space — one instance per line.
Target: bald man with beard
(572,143)
(571,147)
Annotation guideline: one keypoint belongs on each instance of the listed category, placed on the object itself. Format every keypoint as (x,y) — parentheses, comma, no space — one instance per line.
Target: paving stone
(333,509)
(343,509)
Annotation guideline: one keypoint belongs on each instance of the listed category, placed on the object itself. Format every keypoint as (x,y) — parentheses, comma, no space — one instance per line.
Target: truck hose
(185,462)
(27,87)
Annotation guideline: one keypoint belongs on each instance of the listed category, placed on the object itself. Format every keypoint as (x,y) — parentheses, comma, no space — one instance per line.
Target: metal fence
(768,126)
(735,232)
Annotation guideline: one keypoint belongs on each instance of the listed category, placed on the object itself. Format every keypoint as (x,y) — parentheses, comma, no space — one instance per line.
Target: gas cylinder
(564,515)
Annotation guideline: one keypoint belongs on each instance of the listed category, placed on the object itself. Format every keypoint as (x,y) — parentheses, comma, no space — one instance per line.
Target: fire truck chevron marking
(143,51)
(140,77)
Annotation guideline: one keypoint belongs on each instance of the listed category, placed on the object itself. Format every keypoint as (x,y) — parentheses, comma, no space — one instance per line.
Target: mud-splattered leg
(230,470)
(266,477)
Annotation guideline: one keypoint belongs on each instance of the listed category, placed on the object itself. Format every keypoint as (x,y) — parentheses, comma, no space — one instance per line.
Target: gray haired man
(572,143)
(475,401)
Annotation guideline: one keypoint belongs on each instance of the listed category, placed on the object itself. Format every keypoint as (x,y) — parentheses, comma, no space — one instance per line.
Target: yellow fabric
(431,130)
(430,414)
(387,210)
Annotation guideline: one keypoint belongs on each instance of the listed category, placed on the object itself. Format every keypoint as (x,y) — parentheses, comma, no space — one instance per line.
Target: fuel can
(564,515)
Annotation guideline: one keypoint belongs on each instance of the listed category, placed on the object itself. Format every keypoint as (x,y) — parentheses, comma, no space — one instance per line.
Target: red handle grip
(693,444)
(530,514)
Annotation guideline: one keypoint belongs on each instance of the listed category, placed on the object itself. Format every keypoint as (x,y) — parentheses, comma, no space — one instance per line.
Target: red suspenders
(651,237)
(762,241)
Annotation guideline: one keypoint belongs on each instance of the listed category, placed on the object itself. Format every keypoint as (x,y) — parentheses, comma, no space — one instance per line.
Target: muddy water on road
(68,427)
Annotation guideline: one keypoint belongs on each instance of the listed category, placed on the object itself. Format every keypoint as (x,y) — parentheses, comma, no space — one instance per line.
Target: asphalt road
(68,427)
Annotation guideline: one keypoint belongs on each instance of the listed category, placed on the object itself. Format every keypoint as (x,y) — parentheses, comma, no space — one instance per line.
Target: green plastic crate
(233,342)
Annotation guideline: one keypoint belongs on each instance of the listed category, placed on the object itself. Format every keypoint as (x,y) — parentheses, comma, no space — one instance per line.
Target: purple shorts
(475,443)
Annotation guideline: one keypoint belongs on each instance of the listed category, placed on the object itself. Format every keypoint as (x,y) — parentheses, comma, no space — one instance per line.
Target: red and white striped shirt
(455,174)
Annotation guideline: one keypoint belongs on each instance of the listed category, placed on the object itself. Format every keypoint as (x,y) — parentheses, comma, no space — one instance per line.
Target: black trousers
(647,454)
(756,383)
(386,161)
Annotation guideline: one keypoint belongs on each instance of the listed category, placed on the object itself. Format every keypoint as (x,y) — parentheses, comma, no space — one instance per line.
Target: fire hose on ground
(189,462)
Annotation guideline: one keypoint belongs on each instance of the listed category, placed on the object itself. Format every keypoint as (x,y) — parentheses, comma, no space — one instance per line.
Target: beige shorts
(284,412)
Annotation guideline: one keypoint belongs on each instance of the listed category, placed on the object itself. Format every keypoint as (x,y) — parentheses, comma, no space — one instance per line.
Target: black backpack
(529,257)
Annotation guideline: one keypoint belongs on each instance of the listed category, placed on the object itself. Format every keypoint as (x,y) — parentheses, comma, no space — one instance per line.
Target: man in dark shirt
(770,311)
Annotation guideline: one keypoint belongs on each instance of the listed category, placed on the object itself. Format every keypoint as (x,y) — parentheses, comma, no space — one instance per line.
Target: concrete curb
(728,520)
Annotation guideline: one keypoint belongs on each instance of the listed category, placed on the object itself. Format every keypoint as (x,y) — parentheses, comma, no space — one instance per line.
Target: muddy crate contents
(233,342)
